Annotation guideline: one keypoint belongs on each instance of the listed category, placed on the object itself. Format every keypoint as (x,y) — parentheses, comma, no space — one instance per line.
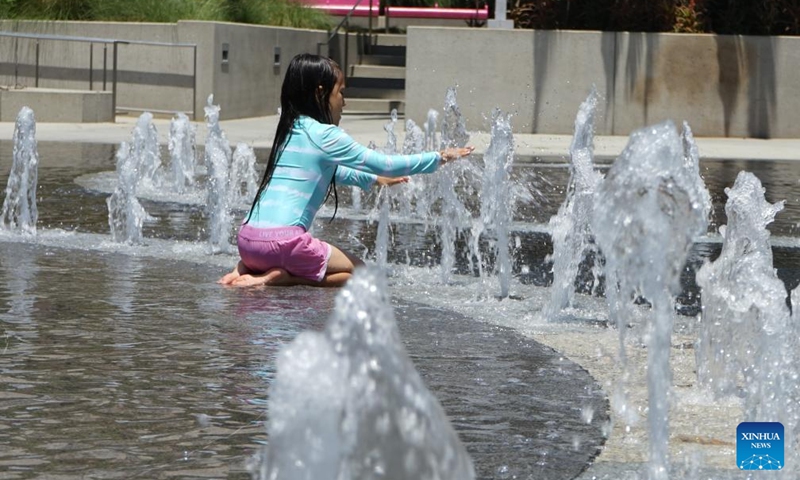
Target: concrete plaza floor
(259,133)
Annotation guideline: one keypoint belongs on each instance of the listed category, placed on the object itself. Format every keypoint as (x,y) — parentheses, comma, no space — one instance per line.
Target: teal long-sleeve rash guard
(314,152)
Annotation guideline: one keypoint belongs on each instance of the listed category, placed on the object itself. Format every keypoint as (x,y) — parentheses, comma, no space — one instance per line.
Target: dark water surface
(546,178)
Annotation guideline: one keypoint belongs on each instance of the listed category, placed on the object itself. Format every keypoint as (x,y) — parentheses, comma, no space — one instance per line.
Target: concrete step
(389,39)
(373,106)
(377,85)
(385,93)
(388,50)
(359,83)
(389,60)
(377,71)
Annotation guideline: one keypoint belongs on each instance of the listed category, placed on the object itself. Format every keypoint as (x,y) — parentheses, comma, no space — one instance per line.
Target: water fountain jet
(348,402)
(183,153)
(571,227)
(20,211)
(147,152)
(748,340)
(243,176)
(126,215)
(217,160)
(497,200)
(648,212)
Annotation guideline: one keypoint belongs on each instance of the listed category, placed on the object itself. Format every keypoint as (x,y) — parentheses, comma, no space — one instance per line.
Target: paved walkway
(259,132)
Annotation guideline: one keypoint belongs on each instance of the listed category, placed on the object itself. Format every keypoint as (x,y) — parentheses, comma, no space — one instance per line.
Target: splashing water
(183,153)
(391,137)
(355,198)
(243,177)
(646,218)
(747,335)
(384,200)
(398,199)
(217,160)
(454,131)
(145,149)
(497,200)
(453,212)
(125,214)
(348,402)
(439,199)
(20,212)
(570,227)
(356,192)
(414,141)
(431,142)
(691,164)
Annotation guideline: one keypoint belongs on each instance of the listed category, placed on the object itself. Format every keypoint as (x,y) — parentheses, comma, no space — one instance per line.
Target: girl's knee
(342,262)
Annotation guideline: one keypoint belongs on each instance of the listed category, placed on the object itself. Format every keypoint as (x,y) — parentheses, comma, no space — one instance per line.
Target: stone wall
(725,86)
(160,78)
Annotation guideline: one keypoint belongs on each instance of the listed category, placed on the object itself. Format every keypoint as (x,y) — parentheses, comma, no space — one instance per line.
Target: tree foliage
(745,17)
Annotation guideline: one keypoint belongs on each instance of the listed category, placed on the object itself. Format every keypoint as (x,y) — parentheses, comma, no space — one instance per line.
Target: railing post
(194,86)
(386,15)
(36,82)
(346,48)
(91,66)
(370,18)
(16,63)
(114,82)
(105,64)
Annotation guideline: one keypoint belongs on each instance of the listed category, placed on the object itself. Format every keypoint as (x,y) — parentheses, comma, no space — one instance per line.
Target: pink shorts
(290,248)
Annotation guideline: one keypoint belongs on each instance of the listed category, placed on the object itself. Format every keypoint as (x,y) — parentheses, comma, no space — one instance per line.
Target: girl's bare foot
(229,278)
(237,272)
(275,276)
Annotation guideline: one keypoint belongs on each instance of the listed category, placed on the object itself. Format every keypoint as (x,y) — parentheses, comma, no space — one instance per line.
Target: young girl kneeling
(311,153)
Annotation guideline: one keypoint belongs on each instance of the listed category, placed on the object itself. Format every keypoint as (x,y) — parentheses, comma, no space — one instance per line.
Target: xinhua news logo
(759,446)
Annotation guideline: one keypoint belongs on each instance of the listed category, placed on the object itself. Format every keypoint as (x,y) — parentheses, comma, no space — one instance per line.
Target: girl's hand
(451,154)
(389,181)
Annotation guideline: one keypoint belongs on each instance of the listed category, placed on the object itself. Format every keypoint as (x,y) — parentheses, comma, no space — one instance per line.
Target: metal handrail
(335,31)
(115,53)
(347,16)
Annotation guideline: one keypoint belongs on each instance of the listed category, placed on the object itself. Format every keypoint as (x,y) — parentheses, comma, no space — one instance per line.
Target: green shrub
(53,9)
(264,12)
(6,8)
(165,11)
(286,13)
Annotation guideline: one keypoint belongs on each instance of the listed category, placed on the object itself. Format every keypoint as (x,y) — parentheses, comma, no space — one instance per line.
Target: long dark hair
(306,90)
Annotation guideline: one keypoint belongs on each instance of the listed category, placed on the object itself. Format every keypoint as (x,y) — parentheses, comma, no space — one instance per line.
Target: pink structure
(342,7)
(481,13)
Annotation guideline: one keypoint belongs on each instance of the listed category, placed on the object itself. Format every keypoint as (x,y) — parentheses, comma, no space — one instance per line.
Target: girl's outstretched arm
(340,149)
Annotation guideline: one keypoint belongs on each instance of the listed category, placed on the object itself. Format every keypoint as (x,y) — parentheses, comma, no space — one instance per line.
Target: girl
(310,155)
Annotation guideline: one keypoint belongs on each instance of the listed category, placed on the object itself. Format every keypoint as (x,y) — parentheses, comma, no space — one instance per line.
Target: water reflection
(20,275)
(121,370)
